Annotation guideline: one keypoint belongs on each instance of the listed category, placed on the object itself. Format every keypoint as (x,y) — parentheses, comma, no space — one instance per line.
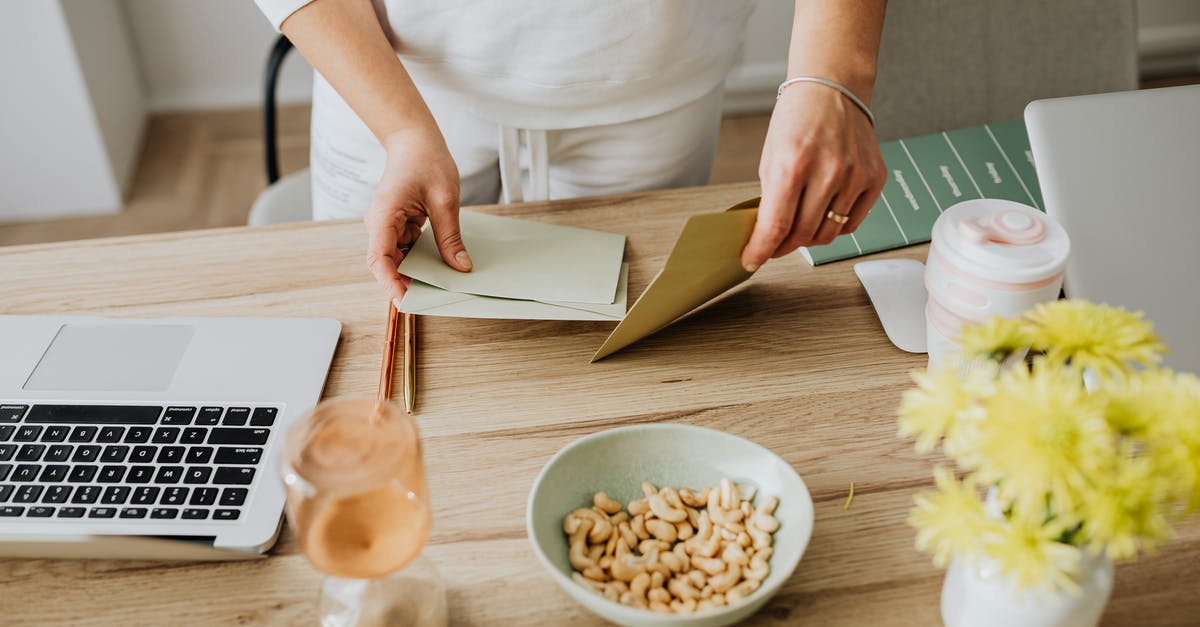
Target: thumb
(443,218)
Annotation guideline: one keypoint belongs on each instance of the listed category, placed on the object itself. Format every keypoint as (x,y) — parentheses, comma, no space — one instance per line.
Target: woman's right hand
(419,181)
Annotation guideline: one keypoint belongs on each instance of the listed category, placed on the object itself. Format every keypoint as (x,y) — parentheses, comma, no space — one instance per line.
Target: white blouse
(555,64)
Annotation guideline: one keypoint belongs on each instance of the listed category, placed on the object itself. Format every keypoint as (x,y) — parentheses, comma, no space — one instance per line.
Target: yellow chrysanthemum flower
(1043,434)
(1030,553)
(996,339)
(930,410)
(1124,511)
(1171,435)
(1105,339)
(952,519)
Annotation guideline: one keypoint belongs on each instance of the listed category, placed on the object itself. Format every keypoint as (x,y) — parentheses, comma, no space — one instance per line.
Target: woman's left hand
(820,155)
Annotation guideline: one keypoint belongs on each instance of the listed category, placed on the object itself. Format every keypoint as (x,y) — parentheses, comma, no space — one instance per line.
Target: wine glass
(359,505)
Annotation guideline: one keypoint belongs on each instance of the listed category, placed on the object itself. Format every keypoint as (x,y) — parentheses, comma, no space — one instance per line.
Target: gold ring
(837,217)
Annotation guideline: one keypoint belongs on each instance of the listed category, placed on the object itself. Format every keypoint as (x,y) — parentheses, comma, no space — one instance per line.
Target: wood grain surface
(794,360)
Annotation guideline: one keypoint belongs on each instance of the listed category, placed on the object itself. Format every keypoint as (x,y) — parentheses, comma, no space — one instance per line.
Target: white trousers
(498,163)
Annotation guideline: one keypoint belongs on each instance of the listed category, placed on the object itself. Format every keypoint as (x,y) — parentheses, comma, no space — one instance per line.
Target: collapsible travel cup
(987,258)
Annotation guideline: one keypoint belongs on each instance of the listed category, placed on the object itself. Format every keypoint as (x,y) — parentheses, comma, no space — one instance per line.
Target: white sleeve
(279,10)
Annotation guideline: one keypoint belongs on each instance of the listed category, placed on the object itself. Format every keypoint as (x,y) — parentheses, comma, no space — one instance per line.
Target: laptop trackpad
(111,358)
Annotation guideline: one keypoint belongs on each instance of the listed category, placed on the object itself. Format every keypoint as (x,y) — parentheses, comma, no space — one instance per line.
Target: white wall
(201,54)
(71,111)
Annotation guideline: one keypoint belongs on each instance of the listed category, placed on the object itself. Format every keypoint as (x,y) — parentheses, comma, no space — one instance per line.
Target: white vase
(979,595)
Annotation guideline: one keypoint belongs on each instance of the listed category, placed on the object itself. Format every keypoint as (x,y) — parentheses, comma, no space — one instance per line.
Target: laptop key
(178,416)
(133,512)
(144,495)
(169,474)
(71,512)
(59,453)
(234,497)
(94,414)
(115,495)
(193,435)
(5,492)
(226,514)
(227,475)
(203,496)
(234,436)
(31,452)
(236,416)
(197,474)
(264,417)
(199,454)
(83,473)
(53,473)
(143,454)
(174,496)
(40,511)
(114,453)
(27,433)
(12,413)
(111,474)
(7,451)
(110,435)
(27,494)
(57,494)
(195,514)
(170,455)
(209,415)
(84,434)
(164,512)
(5,470)
(86,453)
(140,474)
(138,435)
(26,472)
(238,455)
(102,512)
(6,432)
(10,511)
(55,433)
(86,494)
(166,435)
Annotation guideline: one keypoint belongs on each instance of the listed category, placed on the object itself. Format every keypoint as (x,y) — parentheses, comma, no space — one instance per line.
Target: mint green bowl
(617,461)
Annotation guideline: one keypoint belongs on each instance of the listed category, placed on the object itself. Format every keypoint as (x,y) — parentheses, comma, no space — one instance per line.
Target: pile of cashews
(674,551)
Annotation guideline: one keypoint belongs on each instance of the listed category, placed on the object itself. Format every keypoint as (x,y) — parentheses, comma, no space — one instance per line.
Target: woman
(422,105)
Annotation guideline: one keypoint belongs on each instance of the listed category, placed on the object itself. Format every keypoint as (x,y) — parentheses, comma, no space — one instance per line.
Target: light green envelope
(524,259)
(428,300)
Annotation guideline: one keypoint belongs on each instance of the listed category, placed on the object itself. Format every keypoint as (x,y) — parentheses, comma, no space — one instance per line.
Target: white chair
(286,199)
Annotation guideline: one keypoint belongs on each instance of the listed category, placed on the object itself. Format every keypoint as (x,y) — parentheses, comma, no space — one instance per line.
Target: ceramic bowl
(617,461)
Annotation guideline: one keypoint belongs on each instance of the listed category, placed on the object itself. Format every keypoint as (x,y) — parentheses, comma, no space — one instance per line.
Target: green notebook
(928,174)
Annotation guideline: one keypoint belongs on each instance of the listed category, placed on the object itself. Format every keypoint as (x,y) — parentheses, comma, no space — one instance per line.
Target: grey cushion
(952,63)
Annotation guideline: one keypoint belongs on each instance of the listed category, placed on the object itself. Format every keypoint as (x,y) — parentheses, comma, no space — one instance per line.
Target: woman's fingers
(443,218)
(383,256)
(776,212)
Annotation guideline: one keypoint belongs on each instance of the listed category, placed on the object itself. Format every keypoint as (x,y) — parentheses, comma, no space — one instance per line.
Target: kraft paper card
(524,259)
(422,298)
(705,262)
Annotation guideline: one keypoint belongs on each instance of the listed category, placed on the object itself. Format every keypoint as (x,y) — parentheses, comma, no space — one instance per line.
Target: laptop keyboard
(130,462)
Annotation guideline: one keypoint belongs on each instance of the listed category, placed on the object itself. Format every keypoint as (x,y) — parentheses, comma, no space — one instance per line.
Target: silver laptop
(150,438)
(1121,172)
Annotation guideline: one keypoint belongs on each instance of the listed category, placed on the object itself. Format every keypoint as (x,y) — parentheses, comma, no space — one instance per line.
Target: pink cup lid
(1001,240)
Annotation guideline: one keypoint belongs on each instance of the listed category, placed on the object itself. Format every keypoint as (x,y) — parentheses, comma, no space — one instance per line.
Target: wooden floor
(204,169)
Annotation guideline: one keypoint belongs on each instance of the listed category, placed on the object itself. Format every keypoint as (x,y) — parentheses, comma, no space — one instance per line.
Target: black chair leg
(270,79)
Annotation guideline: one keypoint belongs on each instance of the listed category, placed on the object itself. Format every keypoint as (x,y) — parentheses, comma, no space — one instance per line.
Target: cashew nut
(618,518)
(693,499)
(648,489)
(733,554)
(638,506)
(758,570)
(657,579)
(672,497)
(662,530)
(639,585)
(684,559)
(605,562)
(710,565)
(630,599)
(672,561)
(709,548)
(683,607)
(718,599)
(647,545)
(725,517)
(627,534)
(741,591)
(729,494)
(683,589)
(683,530)
(638,525)
(726,580)
(628,566)
(605,504)
(762,539)
(662,509)
(601,525)
(595,586)
(698,579)
(661,608)
(596,552)
(763,518)
(658,595)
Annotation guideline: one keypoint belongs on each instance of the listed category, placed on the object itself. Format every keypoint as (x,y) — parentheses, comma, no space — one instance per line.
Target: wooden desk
(793,360)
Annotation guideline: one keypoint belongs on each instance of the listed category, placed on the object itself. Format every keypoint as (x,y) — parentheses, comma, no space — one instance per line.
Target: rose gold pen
(389,354)
(410,361)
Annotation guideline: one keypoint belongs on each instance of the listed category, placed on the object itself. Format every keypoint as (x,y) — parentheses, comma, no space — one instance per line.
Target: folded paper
(422,298)
(705,262)
(524,259)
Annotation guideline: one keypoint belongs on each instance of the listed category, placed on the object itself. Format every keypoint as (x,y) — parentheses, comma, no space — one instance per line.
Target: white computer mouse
(896,288)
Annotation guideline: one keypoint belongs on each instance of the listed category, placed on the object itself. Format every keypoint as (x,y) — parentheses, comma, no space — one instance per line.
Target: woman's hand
(820,155)
(420,180)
